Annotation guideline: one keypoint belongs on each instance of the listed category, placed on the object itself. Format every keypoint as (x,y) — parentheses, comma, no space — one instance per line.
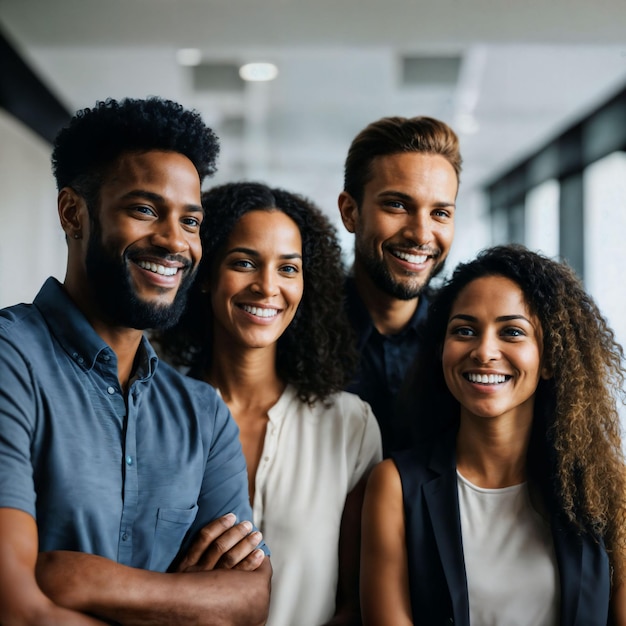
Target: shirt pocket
(170,530)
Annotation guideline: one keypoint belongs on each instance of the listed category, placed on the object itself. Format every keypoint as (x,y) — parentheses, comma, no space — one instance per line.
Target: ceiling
(507,75)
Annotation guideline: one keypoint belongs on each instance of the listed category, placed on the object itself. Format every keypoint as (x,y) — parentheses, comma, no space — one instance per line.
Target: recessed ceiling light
(258,71)
(189,56)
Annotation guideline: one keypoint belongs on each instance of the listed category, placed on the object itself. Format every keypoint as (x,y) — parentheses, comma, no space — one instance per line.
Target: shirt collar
(361,320)
(78,337)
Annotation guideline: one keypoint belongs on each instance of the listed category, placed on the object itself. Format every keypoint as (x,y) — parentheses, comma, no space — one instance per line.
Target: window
(541,231)
(604,229)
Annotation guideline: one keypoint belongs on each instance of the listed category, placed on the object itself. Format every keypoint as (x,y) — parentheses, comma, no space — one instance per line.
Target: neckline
(486,490)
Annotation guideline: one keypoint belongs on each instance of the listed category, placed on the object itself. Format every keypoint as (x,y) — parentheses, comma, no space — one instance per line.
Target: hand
(224,544)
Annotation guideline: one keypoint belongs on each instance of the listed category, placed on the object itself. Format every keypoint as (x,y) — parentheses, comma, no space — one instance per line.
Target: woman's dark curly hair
(315,353)
(575,454)
(96,137)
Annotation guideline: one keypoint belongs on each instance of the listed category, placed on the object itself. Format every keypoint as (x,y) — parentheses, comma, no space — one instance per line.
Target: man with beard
(123,488)
(400,184)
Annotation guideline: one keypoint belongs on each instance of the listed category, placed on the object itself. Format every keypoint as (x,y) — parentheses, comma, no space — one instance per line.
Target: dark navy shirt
(384,361)
(131,479)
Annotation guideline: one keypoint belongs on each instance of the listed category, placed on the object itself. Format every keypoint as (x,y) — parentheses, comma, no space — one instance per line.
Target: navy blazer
(437,579)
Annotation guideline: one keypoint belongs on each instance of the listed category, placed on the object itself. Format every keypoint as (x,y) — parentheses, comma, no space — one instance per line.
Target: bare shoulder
(384,571)
(383,504)
(384,480)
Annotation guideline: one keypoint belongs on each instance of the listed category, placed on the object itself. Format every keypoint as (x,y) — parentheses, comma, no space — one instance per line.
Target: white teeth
(157,269)
(259,312)
(487,379)
(411,258)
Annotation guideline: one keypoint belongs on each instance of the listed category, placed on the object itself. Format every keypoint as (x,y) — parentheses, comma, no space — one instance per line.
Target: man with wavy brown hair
(400,186)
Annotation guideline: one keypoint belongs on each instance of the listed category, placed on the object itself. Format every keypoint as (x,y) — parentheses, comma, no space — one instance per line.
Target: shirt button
(106,357)
(80,359)
(110,390)
(129,460)
(124,536)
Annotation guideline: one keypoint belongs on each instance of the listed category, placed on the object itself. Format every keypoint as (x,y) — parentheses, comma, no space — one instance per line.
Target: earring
(76,235)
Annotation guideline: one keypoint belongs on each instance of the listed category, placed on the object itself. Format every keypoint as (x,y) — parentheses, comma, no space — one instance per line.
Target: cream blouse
(312,458)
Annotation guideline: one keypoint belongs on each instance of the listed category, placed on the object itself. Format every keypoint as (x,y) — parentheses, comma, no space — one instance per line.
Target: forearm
(22,602)
(132,596)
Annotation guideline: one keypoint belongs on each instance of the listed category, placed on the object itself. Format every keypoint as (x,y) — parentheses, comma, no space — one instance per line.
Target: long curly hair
(316,352)
(96,137)
(575,453)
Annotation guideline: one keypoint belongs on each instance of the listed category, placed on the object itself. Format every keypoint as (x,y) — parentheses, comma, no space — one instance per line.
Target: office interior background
(535,90)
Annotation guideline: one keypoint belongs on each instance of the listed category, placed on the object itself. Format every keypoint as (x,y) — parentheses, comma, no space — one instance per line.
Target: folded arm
(224,579)
(22,602)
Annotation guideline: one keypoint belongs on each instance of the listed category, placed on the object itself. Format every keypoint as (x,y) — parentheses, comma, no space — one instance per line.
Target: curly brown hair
(575,454)
(316,352)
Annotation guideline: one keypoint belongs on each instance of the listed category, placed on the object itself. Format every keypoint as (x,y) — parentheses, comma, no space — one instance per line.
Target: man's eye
(394,204)
(146,210)
(243,263)
(191,221)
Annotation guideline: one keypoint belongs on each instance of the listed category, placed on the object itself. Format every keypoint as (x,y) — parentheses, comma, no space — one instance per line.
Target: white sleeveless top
(512,573)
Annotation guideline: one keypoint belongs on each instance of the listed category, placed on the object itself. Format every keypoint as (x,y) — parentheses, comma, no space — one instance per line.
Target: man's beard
(115,295)
(380,275)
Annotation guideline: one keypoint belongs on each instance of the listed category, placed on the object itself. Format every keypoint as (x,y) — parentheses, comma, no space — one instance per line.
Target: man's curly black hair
(96,137)
(315,353)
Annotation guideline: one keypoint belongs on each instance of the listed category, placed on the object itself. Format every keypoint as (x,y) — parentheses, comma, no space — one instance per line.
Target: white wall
(32,244)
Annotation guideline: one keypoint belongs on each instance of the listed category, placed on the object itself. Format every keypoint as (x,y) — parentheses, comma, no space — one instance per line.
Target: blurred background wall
(535,90)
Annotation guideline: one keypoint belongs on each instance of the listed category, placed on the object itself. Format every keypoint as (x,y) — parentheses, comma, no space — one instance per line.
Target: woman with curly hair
(265,326)
(514,513)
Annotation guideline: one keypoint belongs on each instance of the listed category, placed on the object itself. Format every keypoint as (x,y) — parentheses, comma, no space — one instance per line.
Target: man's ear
(72,213)
(349,211)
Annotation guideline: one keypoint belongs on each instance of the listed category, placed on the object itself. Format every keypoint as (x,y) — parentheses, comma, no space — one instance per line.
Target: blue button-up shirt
(131,479)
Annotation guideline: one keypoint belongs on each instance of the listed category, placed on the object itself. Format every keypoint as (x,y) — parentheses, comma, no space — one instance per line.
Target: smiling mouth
(415,256)
(487,379)
(157,268)
(259,311)
(415,259)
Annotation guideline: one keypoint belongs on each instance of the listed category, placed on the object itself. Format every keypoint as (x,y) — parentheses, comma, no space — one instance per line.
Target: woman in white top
(513,513)
(265,326)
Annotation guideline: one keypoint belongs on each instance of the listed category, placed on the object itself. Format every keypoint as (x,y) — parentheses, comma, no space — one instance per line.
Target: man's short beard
(379,274)
(115,295)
